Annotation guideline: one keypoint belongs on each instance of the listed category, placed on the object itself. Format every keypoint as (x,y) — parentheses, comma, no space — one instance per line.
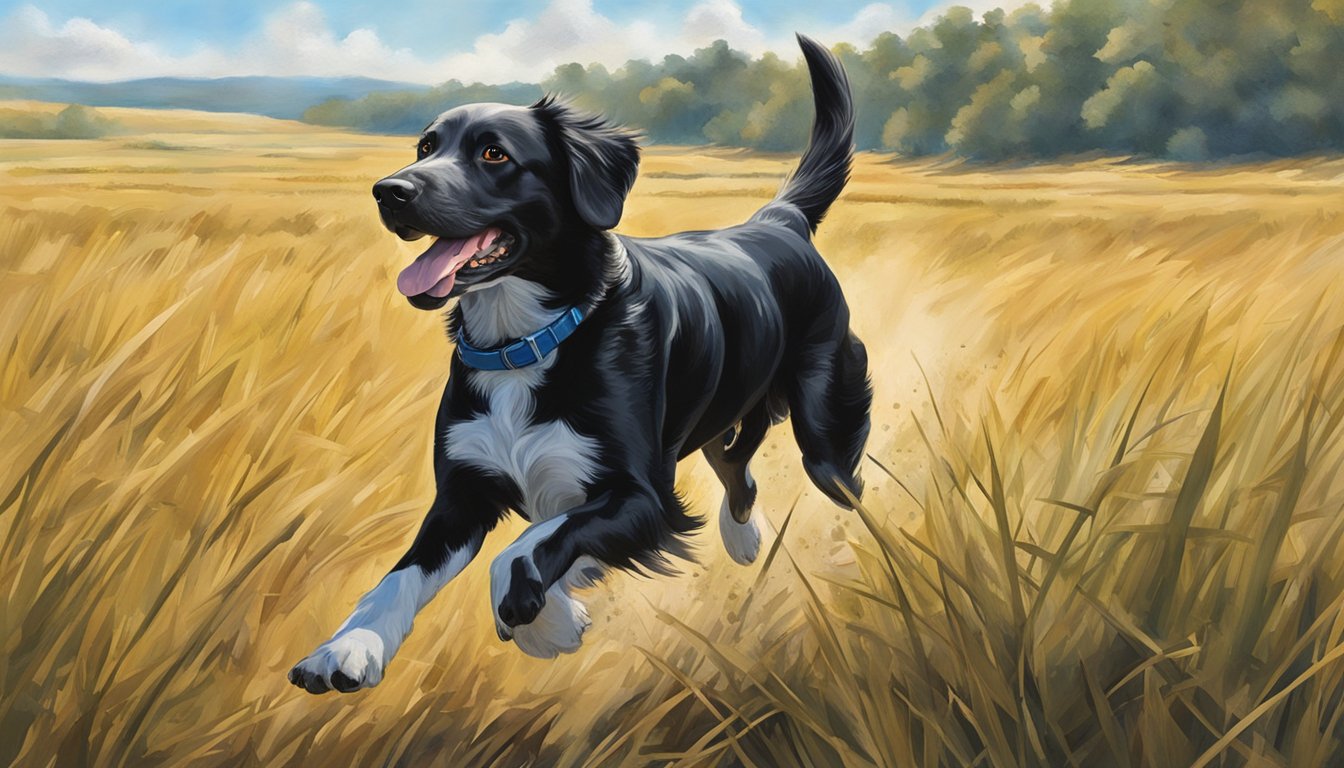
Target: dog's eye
(425,147)
(493,154)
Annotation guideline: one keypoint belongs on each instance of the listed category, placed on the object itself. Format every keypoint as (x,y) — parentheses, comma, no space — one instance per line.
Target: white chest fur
(549,462)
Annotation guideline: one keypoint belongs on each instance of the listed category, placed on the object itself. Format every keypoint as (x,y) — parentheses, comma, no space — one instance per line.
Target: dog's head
(505,190)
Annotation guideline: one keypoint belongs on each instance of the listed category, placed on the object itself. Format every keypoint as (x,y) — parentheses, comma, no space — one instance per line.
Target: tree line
(1185,79)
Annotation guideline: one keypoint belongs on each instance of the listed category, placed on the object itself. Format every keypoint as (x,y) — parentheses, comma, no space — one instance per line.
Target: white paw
(347,662)
(519,601)
(559,626)
(742,540)
(557,629)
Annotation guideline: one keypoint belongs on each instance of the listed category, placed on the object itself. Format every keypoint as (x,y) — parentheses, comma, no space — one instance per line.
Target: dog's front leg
(531,578)
(466,508)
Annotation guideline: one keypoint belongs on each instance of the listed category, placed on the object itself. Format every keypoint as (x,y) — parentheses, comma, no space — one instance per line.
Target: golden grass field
(1102,524)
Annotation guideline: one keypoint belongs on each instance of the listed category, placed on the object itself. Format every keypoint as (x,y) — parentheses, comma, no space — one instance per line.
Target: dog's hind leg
(468,504)
(830,398)
(730,460)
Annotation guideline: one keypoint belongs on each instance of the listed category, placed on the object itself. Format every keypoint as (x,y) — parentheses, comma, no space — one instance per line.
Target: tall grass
(1144,584)
(1102,527)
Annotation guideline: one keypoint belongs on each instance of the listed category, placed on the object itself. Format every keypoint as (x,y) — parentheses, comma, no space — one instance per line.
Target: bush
(74,122)
(1188,144)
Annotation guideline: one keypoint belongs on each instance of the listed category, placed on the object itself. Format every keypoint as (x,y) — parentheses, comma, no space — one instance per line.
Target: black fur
(693,339)
(824,169)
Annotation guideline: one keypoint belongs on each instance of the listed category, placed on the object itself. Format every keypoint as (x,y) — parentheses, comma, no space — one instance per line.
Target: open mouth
(429,280)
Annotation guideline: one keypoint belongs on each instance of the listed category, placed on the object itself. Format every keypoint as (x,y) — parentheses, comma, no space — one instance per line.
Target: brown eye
(426,147)
(493,154)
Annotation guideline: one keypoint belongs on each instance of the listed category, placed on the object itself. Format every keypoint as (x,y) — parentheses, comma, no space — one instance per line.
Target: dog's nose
(394,194)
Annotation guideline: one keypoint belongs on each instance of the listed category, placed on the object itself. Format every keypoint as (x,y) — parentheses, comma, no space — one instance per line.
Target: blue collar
(529,350)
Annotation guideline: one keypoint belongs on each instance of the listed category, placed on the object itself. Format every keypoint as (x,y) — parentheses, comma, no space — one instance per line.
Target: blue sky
(417,40)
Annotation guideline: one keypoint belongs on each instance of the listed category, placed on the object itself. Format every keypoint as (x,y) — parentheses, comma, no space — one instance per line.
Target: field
(1102,524)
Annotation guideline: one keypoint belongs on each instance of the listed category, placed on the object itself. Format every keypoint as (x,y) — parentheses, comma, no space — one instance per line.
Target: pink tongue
(434,270)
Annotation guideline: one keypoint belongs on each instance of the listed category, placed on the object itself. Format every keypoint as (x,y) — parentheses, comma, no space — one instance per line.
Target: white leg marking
(742,540)
(366,642)
(560,625)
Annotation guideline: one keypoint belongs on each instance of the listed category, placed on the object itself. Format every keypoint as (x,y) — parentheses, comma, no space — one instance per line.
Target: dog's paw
(523,597)
(742,540)
(557,629)
(345,663)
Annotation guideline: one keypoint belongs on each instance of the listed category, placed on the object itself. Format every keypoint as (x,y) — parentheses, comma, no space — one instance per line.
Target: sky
(419,41)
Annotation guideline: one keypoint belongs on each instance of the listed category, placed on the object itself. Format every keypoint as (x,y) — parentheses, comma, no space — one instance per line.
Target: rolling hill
(284,97)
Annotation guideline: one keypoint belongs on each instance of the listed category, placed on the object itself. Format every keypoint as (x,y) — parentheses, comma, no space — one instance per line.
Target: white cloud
(978,8)
(572,30)
(529,49)
(720,19)
(871,21)
(78,49)
(297,40)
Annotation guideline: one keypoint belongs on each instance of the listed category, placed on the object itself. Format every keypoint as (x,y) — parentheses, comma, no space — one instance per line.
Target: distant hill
(406,111)
(283,97)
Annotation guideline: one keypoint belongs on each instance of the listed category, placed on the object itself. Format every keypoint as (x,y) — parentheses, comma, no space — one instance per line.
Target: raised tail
(824,169)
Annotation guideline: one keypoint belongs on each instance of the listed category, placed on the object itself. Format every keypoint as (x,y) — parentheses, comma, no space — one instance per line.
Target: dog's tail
(824,169)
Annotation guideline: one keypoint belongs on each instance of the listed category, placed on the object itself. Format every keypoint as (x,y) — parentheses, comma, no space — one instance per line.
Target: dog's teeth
(474,263)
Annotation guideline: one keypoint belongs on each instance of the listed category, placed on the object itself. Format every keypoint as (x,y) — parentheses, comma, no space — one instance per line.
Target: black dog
(588,364)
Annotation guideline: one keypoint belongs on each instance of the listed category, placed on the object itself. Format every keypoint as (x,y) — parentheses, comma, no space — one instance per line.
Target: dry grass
(1102,528)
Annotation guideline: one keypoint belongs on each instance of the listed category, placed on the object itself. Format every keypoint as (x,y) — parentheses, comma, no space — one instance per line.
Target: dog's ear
(603,160)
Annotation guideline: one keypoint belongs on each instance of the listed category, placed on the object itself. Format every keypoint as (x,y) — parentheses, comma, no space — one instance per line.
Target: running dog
(587,364)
